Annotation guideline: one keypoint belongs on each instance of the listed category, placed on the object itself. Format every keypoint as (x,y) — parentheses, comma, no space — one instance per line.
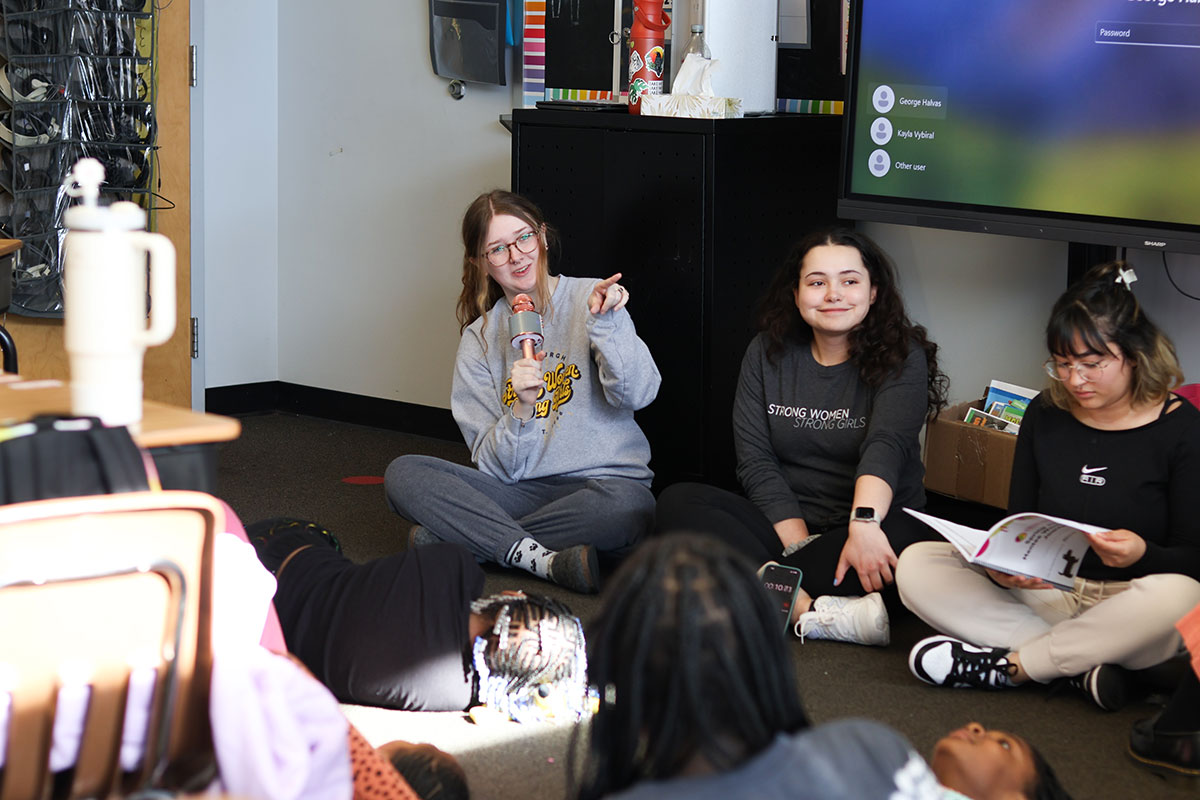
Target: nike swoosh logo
(1089,470)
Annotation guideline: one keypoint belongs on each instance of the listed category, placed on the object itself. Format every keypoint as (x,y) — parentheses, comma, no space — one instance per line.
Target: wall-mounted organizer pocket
(32,167)
(31,213)
(76,80)
(36,263)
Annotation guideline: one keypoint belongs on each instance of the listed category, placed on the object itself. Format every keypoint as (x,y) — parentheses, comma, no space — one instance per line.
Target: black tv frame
(1111,232)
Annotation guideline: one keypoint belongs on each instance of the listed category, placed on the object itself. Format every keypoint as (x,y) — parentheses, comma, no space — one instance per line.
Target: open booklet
(1029,544)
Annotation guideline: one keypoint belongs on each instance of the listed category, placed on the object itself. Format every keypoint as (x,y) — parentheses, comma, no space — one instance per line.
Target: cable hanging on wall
(1167,269)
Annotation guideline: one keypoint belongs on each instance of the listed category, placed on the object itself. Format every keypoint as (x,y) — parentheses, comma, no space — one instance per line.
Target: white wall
(235,189)
(984,299)
(376,165)
(1177,315)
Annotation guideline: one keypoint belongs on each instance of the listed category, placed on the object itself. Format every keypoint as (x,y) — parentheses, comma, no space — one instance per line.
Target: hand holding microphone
(525,328)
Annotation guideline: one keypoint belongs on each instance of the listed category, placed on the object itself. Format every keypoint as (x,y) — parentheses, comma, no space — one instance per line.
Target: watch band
(865,514)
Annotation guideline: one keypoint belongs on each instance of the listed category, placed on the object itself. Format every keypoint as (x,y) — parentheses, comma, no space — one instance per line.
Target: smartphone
(781,583)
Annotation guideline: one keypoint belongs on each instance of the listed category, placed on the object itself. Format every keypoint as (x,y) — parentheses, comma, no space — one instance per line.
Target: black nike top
(1144,479)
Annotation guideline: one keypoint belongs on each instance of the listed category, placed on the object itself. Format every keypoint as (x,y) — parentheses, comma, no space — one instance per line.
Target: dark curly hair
(880,344)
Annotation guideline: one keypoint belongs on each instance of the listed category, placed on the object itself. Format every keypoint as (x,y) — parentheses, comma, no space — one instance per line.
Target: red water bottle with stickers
(647,55)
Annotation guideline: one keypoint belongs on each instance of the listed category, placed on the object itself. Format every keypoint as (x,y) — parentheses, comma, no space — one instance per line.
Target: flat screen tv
(1076,120)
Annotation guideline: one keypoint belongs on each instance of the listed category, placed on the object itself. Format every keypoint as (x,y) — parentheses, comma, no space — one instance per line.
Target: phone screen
(781,583)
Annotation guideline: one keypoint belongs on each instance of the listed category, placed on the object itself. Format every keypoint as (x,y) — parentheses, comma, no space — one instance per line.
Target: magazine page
(1037,546)
(967,540)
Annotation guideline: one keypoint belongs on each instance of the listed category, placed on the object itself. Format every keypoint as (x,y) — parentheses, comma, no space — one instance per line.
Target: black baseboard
(393,415)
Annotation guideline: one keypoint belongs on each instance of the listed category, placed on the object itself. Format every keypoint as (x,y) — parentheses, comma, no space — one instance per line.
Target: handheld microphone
(525,326)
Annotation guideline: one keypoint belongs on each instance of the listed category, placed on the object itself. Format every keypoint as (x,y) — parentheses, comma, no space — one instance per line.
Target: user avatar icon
(881,130)
(880,162)
(883,99)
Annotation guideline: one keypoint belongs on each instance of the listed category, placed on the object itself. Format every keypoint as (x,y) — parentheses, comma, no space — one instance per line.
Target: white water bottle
(104,294)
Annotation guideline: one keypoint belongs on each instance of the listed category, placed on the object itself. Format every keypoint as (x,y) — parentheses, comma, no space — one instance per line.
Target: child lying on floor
(410,630)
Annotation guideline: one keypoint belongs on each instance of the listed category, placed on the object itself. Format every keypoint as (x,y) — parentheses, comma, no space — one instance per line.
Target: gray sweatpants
(1055,633)
(460,504)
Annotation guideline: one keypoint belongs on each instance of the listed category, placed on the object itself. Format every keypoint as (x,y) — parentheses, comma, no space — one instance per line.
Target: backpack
(55,456)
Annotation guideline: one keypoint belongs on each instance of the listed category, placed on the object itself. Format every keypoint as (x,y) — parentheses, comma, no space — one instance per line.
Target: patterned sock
(530,556)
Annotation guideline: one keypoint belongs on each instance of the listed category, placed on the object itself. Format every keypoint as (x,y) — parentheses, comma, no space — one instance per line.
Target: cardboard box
(968,461)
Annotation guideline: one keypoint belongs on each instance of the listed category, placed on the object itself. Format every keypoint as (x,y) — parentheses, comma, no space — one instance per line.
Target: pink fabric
(272,635)
(277,732)
(1189,629)
(1191,393)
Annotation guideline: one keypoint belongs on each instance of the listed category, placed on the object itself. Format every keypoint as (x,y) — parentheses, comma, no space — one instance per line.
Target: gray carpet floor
(288,465)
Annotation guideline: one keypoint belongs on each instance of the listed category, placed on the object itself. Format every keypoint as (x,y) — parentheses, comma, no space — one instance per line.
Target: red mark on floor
(364,480)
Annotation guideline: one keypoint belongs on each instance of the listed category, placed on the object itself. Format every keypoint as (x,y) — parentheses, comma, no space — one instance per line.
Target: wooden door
(167,372)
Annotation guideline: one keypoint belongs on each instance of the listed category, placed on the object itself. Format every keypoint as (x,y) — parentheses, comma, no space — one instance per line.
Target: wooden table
(181,441)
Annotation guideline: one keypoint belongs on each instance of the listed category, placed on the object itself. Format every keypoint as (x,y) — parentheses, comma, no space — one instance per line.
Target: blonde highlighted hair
(1098,311)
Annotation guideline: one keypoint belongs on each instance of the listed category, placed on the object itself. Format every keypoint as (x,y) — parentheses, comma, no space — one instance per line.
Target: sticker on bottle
(637,88)
(656,61)
(635,61)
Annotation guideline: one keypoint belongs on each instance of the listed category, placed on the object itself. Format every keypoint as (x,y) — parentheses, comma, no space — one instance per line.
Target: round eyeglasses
(499,255)
(1087,370)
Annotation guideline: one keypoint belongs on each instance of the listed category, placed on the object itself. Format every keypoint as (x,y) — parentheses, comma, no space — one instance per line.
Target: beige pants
(1055,633)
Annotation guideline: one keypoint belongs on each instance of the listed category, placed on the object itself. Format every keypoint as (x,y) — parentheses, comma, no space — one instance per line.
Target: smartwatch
(865,514)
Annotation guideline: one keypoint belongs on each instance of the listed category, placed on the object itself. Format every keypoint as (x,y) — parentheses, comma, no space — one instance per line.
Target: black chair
(7,345)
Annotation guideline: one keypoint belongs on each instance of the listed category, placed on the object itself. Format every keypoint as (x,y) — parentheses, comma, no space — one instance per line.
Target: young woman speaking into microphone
(561,467)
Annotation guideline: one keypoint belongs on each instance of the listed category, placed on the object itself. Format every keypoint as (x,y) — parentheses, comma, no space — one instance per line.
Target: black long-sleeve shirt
(1144,479)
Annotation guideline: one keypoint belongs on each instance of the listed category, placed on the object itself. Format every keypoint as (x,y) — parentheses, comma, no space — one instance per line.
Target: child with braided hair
(699,702)
(532,666)
(411,631)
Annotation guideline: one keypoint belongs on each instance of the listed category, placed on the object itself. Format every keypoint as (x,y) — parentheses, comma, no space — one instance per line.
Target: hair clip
(1127,277)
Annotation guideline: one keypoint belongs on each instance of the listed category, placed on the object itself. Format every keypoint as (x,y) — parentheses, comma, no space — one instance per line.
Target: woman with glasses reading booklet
(1109,445)
(546,406)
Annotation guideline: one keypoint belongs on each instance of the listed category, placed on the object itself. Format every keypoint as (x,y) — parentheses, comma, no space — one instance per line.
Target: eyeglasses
(526,243)
(1087,370)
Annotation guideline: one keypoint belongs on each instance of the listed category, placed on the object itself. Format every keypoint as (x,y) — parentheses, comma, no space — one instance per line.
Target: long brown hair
(480,292)
(1096,311)
(880,344)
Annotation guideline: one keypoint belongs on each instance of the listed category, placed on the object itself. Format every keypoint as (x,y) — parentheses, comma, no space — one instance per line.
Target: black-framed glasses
(1087,370)
(499,255)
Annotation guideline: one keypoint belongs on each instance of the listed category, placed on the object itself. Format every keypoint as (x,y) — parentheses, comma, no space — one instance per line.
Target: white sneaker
(946,661)
(862,620)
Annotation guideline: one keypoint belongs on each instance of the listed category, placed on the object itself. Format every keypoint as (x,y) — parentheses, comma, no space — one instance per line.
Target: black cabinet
(696,215)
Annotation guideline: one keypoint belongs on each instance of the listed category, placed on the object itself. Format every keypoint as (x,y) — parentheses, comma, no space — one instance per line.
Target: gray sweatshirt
(852,759)
(597,372)
(804,432)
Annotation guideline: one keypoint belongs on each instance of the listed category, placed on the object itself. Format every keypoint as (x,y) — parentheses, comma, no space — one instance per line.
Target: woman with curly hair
(830,402)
